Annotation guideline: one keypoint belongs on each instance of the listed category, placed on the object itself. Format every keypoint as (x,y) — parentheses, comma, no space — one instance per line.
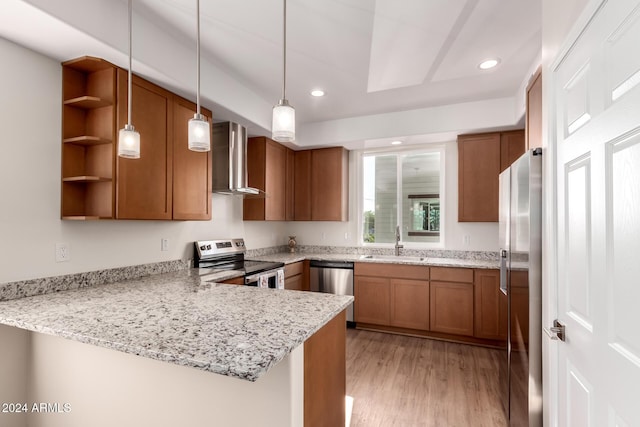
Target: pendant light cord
(129,83)
(284,55)
(198,58)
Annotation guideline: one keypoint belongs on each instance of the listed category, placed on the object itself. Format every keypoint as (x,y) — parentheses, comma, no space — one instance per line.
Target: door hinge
(556,332)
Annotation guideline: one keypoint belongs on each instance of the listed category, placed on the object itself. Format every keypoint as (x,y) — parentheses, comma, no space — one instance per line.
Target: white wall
(30,225)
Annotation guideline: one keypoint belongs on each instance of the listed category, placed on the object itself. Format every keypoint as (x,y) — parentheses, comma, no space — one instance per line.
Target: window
(402,189)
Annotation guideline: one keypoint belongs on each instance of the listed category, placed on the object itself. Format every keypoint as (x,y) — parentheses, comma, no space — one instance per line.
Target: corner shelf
(86,140)
(87,102)
(83,218)
(85,178)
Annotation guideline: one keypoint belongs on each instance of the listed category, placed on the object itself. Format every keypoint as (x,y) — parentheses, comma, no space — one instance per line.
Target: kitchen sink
(394,258)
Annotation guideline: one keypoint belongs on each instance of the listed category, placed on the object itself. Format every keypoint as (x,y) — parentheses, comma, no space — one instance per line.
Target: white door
(596,97)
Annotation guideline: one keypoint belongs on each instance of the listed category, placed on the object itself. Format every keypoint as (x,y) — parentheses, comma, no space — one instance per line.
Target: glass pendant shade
(283,125)
(129,143)
(199,134)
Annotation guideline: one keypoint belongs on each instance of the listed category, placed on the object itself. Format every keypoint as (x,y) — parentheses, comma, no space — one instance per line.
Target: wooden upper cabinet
(266,170)
(481,158)
(289,208)
(478,170)
(512,146)
(533,125)
(144,189)
(330,184)
(191,169)
(88,139)
(167,182)
(302,186)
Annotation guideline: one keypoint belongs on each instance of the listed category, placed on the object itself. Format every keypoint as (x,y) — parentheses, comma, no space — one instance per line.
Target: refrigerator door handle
(503,271)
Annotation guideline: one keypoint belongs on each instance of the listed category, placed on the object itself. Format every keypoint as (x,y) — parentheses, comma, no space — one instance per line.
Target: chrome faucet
(398,245)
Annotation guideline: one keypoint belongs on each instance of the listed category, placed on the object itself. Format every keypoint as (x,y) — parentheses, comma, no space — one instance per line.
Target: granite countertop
(181,318)
(289,258)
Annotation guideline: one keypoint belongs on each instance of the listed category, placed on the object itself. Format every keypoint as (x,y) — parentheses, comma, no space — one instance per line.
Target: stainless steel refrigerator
(521,282)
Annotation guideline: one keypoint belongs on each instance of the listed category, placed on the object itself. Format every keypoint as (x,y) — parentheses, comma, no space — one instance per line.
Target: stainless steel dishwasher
(333,277)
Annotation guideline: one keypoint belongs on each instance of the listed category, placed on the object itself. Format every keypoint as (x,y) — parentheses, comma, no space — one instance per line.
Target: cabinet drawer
(416,272)
(293,269)
(448,274)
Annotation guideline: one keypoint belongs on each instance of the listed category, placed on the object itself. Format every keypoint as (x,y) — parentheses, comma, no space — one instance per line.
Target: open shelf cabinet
(88,136)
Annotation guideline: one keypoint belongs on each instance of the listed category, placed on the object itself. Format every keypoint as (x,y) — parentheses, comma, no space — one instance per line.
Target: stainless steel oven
(229,254)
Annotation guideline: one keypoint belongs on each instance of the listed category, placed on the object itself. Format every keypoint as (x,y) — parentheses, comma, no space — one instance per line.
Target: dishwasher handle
(331,264)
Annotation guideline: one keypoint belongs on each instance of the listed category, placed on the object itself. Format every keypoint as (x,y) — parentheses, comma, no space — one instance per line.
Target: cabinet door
(329,184)
(478,170)
(533,126)
(266,168)
(451,308)
(410,304)
(144,189)
(275,171)
(490,307)
(512,146)
(293,282)
(289,186)
(191,170)
(302,186)
(372,300)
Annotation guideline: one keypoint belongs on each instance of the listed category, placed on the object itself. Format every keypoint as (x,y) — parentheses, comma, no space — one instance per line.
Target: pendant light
(199,131)
(283,125)
(128,137)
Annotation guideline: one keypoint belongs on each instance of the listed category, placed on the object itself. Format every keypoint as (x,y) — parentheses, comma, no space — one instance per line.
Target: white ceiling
(370,56)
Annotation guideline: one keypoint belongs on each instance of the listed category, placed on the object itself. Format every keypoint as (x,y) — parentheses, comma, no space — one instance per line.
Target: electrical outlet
(324,235)
(63,252)
(467,240)
(346,236)
(164,244)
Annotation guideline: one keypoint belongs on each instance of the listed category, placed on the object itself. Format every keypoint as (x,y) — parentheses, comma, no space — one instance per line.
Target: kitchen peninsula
(212,354)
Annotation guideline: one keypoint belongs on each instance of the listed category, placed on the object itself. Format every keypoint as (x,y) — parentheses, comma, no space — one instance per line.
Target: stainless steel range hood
(229,146)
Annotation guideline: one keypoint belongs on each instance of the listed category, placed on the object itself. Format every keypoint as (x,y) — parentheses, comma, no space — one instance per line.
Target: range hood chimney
(229,146)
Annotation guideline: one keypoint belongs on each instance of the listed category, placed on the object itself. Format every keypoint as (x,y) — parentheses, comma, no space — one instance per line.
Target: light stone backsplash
(360,250)
(27,288)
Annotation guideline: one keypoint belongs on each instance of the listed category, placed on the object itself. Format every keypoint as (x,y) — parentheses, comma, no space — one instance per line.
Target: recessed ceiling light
(317,92)
(489,63)
(396,142)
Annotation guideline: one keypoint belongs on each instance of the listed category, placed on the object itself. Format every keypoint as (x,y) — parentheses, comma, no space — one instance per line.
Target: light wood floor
(415,382)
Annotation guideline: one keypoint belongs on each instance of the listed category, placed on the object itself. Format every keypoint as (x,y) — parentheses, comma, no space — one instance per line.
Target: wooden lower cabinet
(451,292)
(409,304)
(294,276)
(372,300)
(490,306)
(392,295)
(325,384)
(451,308)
